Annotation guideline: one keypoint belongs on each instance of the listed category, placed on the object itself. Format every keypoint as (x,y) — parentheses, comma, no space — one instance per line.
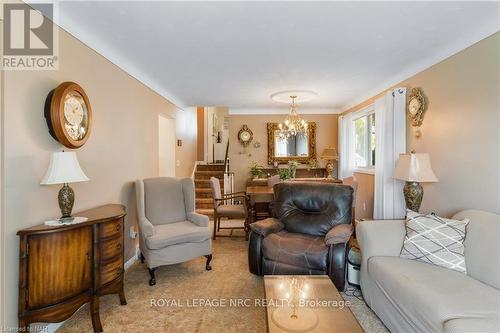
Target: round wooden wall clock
(69,115)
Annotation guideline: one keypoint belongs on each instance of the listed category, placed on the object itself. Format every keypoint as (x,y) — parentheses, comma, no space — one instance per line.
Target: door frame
(173,122)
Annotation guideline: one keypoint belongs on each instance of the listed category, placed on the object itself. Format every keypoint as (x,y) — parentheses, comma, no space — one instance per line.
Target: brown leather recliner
(308,233)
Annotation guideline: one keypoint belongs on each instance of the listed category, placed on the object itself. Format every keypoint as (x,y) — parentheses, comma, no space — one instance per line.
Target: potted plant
(255,170)
(284,173)
(313,163)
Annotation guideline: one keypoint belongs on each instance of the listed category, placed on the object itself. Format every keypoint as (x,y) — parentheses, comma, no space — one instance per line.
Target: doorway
(216,134)
(166,146)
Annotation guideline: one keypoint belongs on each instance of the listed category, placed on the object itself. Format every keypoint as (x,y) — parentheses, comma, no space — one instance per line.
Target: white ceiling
(237,54)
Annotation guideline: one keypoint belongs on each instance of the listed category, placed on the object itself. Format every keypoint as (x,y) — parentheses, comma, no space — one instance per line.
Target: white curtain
(390,136)
(346,153)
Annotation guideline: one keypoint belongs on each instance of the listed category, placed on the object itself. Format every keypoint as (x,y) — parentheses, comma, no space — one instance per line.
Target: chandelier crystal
(293,125)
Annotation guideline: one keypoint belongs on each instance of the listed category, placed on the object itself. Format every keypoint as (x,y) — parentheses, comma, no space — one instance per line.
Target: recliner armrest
(267,226)
(199,219)
(339,234)
(146,227)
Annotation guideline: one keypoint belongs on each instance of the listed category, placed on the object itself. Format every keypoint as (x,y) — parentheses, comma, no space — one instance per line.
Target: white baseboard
(132,260)
(51,328)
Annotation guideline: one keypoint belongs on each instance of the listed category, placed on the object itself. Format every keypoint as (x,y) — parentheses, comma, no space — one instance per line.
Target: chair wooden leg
(207,265)
(215,225)
(152,280)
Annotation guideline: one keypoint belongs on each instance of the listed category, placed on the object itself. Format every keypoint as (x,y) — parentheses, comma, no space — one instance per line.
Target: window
(364,141)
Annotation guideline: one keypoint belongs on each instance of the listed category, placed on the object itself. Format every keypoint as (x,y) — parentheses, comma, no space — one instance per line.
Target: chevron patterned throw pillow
(435,240)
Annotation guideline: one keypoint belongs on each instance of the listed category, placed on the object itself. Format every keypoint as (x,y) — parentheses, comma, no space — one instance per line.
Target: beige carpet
(229,279)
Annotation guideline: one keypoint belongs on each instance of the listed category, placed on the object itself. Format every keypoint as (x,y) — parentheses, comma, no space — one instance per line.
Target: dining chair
(224,207)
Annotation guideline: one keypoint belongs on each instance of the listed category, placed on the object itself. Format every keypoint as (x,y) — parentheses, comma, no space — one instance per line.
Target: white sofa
(412,296)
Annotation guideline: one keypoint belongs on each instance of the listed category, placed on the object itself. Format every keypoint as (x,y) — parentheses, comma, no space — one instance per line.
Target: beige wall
(364,195)
(200,141)
(326,135)
(461,129)
(123,145)
(186,131)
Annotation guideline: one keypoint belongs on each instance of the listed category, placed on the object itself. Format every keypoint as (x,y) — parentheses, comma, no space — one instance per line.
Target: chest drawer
(111,270)
(112,228)
(111,248)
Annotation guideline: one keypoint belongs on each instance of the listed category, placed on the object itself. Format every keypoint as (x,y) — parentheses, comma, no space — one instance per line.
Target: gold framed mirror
(301,148)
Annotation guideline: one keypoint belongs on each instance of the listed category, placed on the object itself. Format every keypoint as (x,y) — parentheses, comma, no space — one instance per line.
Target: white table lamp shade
(63,168)
(415,168)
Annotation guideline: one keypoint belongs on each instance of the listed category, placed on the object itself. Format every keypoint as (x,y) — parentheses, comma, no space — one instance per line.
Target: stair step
(205,183)
(208,174)
(210,167)
(203,193)
(206,211)
(204,203)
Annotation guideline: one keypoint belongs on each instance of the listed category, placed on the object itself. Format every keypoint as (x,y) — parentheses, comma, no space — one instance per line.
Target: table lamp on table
(330,155)
(64,169)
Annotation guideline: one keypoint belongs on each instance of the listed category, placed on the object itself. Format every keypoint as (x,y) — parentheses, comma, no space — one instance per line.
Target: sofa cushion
(435,240)
(177,233)
(232,211)
(428,295)
(296,249)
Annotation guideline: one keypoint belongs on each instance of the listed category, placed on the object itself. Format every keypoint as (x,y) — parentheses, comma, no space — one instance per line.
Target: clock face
(75,115)
(414,106)
(245,136)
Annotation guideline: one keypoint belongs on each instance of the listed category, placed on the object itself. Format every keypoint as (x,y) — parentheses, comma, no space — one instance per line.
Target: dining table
(253,192)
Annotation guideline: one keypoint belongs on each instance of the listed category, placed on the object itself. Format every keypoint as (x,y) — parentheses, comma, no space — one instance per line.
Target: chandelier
(293,124)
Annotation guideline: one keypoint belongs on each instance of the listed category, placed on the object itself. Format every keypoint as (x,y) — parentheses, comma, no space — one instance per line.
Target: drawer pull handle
(118,246)
(118,227)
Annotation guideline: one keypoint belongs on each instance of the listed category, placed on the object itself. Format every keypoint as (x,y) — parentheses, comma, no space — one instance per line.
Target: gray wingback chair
(170,230)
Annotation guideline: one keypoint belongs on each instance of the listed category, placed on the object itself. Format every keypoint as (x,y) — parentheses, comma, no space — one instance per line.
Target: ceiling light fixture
(293,124)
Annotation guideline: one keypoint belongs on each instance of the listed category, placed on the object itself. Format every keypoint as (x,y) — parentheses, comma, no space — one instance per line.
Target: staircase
(204,200)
